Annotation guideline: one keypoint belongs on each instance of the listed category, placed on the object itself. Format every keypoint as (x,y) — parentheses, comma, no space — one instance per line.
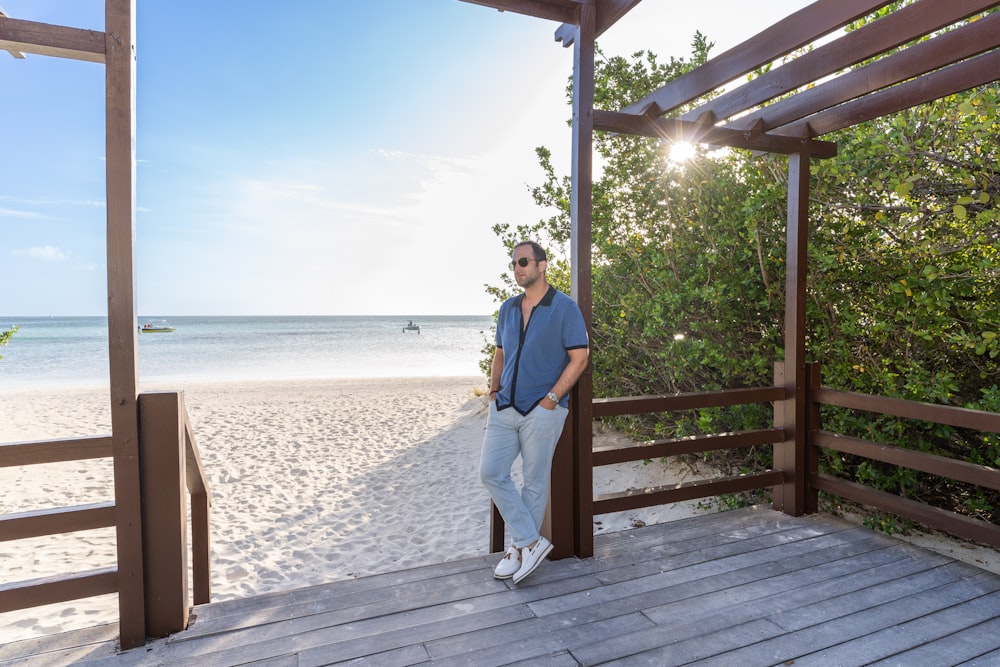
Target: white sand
(312,481)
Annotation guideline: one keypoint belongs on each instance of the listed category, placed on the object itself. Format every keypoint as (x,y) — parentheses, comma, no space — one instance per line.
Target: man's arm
(578,360)
(495,372)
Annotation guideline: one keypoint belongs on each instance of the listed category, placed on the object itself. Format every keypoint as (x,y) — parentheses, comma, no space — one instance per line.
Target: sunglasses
(523,262)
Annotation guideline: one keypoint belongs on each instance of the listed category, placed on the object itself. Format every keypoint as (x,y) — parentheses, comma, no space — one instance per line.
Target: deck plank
(748,587)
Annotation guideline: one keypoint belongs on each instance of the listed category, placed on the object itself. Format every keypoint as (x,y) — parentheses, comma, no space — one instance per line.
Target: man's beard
(528,281)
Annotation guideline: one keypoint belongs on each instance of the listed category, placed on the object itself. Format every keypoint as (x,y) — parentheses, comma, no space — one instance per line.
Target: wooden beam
(59,588)
(662,495)
(120,166)
(967,74)
(795,31)
(674,129)
(52,451)
(608,13)
(20,37)
(580,497)
(942,466)
(11,51)
(935,517)
(563,11)
(610,455)
(164,511)
(790,456)
(898,28)
(38,523)
(976,420)
(945,49)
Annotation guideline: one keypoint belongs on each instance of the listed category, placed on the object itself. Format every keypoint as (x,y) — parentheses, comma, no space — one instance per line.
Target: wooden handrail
(661,495)
(928,515)
(58,588)
(978,420)
(55,451)
(194,471)
(201,500)
(55,521)
(634,405)
(941,466)
(632,499)
(38,523)
(609,455)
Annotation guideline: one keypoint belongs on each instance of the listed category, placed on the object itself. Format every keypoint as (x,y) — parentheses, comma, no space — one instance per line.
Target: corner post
(119,16)
(790,456)
(164,511)
(572,484)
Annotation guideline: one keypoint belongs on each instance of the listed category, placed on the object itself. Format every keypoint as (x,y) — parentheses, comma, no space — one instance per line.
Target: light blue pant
(534,437)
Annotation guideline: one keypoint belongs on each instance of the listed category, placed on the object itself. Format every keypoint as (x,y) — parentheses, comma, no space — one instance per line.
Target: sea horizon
(67,351)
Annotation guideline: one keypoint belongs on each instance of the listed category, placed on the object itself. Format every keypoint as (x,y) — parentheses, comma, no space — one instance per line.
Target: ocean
(73,351)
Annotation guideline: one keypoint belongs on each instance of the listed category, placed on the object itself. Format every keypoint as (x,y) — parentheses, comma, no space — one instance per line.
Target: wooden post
(573,467)
(790,456)
(497,529)
(813,423)
(164,511)
(122,343)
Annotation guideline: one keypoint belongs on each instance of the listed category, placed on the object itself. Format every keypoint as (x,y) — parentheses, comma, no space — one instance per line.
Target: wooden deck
(748,587)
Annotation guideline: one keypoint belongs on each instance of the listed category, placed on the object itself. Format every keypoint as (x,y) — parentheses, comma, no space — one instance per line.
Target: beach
(312,481)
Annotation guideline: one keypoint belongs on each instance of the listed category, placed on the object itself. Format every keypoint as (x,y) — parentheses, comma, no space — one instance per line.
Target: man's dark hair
(537,251)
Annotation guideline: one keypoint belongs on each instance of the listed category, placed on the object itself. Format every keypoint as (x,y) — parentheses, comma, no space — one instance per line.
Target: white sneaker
(532,557)
(509,564)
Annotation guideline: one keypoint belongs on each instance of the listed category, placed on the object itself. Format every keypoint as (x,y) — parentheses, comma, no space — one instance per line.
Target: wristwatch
(552,397)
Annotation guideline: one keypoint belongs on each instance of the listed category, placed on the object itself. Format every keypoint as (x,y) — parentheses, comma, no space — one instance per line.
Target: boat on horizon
(157,327)
(411,327)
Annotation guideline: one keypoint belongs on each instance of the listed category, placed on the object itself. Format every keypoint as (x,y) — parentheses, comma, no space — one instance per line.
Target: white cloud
(15,213)
(45,253)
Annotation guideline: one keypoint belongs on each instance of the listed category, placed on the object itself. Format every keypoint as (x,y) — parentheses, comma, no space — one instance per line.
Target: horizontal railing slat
(59,588)
(608,455)
(942,466)
(978,420)
(950,522)
(37,523)
(661,495)
(54,451)
(634,405)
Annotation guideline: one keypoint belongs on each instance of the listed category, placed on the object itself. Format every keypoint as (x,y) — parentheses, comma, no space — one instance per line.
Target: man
(541,350)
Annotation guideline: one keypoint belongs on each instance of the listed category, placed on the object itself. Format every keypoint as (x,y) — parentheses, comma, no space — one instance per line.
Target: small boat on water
(411,327)
(157,327)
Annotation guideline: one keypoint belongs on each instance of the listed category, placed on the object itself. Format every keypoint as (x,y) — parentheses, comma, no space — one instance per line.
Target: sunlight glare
(680,152)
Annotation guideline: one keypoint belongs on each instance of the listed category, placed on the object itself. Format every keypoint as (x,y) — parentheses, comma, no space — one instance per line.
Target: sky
(310,157)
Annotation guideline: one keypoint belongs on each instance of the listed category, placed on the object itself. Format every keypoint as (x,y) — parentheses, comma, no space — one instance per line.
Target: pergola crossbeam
(793,32)
(20,37)
(563,11)
(945,49)
(674,129)
(889,32)
(967,74)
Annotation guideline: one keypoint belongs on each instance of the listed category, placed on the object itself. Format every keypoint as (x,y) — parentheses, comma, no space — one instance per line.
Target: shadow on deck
(748,587)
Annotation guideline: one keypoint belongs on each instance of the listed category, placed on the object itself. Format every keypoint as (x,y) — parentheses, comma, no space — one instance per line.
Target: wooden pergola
(814,103)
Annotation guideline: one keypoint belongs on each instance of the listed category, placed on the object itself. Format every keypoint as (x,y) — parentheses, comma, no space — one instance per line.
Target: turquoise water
(73,351)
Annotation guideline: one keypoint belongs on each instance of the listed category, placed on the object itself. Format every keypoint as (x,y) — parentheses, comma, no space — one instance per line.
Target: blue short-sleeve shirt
(535,356)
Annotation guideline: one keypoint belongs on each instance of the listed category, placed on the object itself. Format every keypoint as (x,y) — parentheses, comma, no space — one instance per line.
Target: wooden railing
(166,443)
(952,523)
(71,586)
(627,500)
(815,438)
